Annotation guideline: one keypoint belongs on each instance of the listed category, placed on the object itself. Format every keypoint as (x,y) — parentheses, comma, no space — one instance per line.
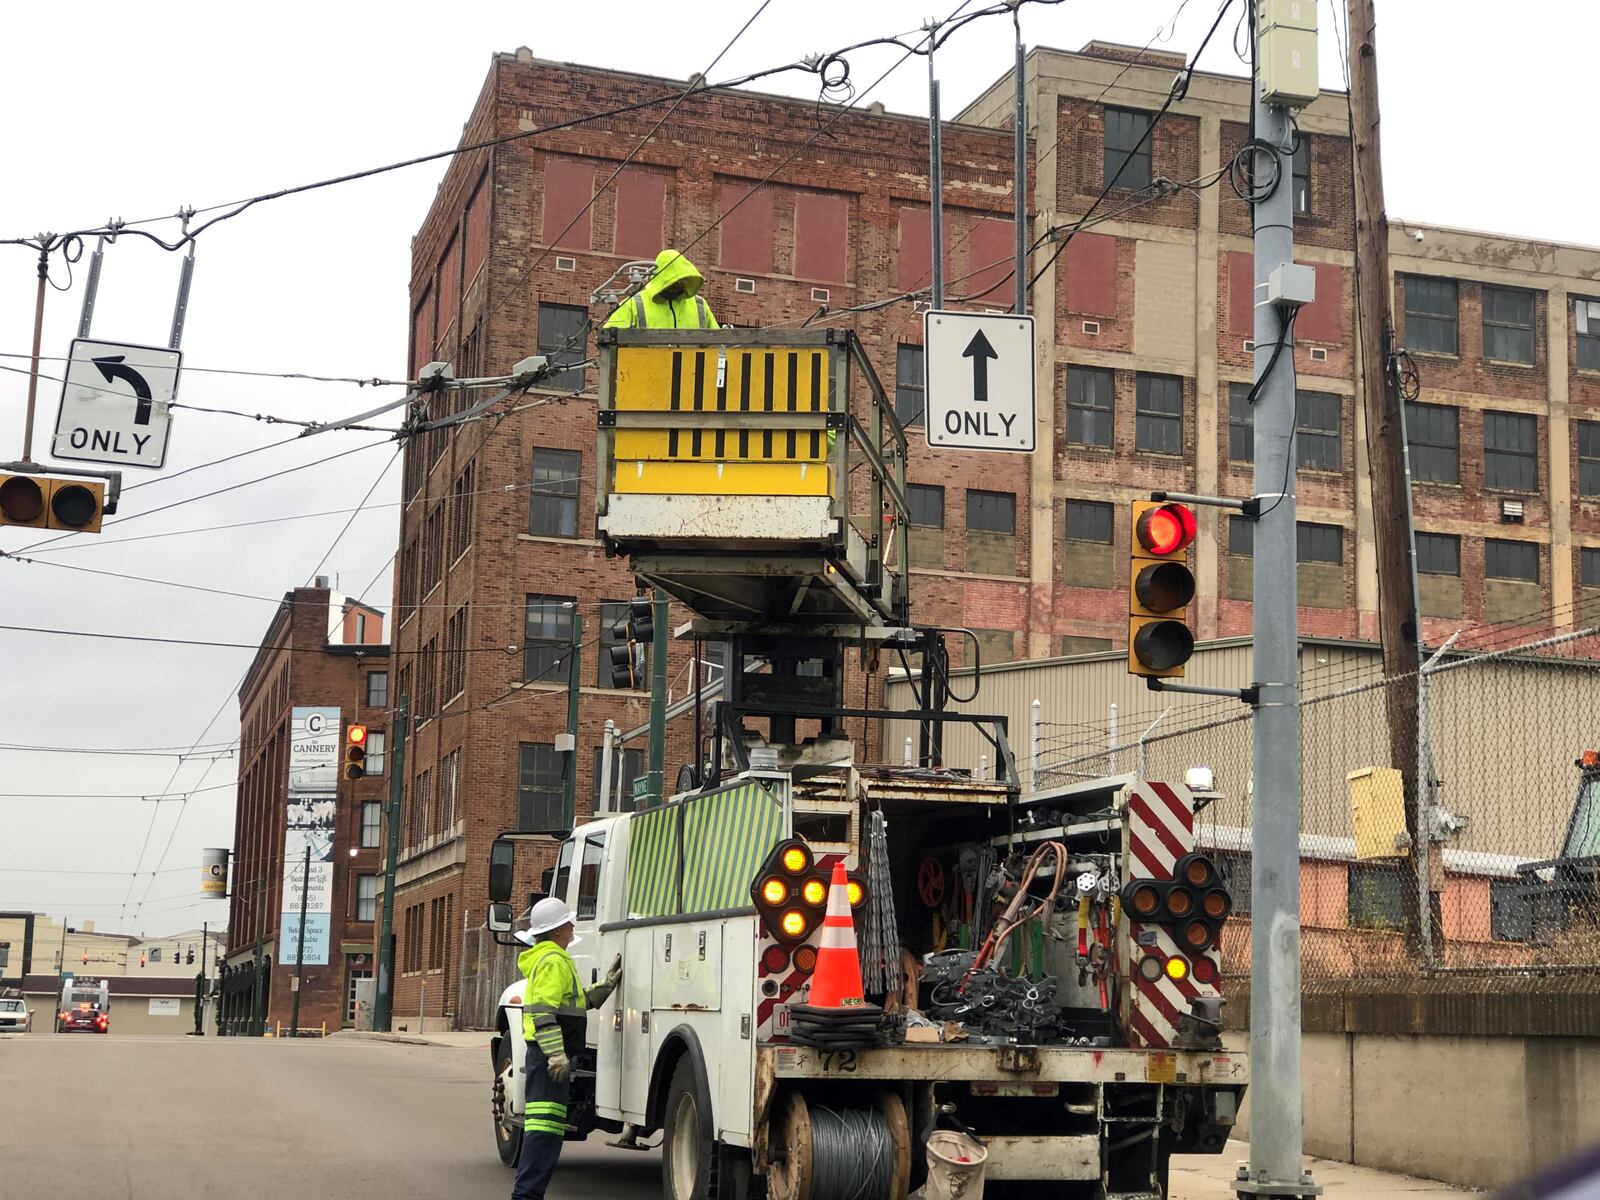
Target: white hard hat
(548,914)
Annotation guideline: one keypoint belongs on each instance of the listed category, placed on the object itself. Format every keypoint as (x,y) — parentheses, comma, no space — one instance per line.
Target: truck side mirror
(502,861)
(500,918)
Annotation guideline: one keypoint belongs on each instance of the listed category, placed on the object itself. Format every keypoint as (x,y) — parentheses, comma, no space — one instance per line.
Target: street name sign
(978,380)
(116,404)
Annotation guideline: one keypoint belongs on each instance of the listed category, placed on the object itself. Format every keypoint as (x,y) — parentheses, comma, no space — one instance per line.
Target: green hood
(526,959)
(672,267)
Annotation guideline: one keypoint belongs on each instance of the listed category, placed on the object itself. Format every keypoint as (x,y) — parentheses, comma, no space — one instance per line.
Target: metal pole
(574,681)
(1112,744)
(1020,171)
(180,308)
(1275,1163)
(658,701)
(608,747)
(1423,849)
(258,995)
(300,946)
(935,186)
(38,333)
(91,288)
(1033,746)
(199,981)
(699,700)
(383,998)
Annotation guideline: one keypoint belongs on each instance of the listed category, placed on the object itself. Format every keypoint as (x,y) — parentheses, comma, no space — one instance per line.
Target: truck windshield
(10,1005)
(1583,839)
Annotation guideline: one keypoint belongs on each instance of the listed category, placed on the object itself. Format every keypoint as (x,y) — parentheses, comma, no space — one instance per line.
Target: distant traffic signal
(355,752)
(39,502)
(1160,587)
(626,657)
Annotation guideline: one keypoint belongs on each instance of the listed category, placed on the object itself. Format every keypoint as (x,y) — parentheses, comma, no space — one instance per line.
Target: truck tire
(507,1128)
(686,1143)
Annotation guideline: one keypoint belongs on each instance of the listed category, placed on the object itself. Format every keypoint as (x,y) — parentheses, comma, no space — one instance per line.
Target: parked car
(14,1015)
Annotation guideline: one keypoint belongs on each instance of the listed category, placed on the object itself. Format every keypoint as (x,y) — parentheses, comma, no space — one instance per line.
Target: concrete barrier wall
(1475,1111)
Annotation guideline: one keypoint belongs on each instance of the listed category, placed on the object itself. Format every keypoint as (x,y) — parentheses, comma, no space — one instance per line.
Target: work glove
(614,975)
(560,1067)
(598,994)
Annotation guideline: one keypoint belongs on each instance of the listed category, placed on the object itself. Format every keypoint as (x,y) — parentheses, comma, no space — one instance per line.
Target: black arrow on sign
(113,367)
(980,352)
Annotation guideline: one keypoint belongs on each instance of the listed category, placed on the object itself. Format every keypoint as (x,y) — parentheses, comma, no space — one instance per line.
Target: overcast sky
(133,110)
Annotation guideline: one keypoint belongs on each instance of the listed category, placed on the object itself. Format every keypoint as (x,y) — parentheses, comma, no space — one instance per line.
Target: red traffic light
(356,735)
(1167,529)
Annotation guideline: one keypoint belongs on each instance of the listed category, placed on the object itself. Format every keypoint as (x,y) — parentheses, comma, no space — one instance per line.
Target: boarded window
(422,333)
(1241,424)
(1431,314)
(1317,430)
(926,505)
(1091,406)
(1241,537)
(546,639)
(1508,325)
(1089,521)
(1126,162)
(746,229)
(821,231)
(914,263)
(1158,414)
(992,512)
(991,253)
(449,285)
(1375,898)
(477,232)
(1589,566)
(1511,560)
(568,212)
(1434,435)
(641,204)
(1319,543)
(1510,452)
(1438,554)
(1090,263)
(908,389)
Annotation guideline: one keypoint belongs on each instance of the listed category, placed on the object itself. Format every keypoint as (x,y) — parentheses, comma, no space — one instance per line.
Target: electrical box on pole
(1286,52)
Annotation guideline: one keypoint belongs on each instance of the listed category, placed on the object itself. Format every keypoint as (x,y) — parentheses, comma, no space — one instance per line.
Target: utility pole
(1398,628)
(383,1000)
(574,680)
(1275,1133)
(1019,138)
(657,751)
(258,994)
(200,982)
(300,946)
(935,177)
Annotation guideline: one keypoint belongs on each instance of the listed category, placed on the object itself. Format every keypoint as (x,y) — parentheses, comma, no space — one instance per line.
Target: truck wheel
(686,1146)
(507,1128)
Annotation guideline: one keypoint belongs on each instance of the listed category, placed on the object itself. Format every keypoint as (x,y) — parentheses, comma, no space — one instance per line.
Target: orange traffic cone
(836,982)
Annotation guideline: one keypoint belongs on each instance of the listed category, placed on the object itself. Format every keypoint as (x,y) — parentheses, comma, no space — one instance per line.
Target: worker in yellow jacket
(553,1006)
(669,299)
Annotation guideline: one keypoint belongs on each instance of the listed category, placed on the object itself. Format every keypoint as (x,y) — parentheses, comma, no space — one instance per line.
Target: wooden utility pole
(1398,627)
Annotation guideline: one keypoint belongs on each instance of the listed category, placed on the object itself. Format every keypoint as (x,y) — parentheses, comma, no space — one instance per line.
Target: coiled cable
(852,1154)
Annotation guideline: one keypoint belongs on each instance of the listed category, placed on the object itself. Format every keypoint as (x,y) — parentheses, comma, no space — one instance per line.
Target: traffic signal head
(40,502)
(355,751)
(641,620)
(1160,587)
(626,661)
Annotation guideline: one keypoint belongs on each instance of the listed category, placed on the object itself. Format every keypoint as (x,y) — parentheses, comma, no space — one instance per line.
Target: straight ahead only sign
(979,381)
(116,404)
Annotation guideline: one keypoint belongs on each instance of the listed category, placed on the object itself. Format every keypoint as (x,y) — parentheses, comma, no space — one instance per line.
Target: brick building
(321,650)
(1143,363)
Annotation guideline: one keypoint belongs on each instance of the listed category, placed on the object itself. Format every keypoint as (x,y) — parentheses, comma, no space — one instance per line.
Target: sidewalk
(1209,1177)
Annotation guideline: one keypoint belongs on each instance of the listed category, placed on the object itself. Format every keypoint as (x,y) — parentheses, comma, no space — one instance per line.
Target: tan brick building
(1143,358)
(320,650)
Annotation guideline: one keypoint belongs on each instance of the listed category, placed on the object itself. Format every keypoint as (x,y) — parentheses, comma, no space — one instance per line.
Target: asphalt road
(215,1118)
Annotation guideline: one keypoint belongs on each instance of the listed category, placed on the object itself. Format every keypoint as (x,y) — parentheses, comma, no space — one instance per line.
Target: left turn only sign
(116,404)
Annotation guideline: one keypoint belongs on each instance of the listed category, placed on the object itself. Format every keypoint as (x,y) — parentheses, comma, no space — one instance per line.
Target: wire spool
(841,1153)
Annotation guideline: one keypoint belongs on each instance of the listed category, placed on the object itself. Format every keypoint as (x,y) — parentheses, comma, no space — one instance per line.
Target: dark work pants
(544,1120)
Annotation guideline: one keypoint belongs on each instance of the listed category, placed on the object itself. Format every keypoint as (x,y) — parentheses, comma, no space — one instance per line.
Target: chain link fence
(487,969)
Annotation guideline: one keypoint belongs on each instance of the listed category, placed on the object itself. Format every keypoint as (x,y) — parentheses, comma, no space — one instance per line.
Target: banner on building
(313,807)
(214,872)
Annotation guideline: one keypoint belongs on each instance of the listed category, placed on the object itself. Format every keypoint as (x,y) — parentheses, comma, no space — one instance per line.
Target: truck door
(588,862)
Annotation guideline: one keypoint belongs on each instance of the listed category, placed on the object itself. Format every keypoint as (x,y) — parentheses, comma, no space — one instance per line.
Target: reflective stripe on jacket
(648,310)
(552,993)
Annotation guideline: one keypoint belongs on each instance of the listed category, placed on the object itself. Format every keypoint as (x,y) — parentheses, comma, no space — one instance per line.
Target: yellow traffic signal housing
(1160,587)
(355,752)
(39,502)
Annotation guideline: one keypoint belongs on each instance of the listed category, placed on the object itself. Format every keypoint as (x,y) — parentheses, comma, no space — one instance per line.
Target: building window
(925,504)
(1589,458)
(1510,452)
(1091,406)
(554,511)
(563,330)
(408,581)
(627,767)
(1507,325)
(1089,521)
(1589,566)
(546,638)
(371,824)
(418,819)
(1302,174)
(908,385)
(541,800)
(432,550)
(377,689)
(366,897)
(594,850)
(1241,424)
(461,499)
(361,628)
(1375,901)
(991,512)
(1511,560)
(1126,162)
(1586,321)
(455,655)
(411,949)
(1158,414)
(376,744)
(1438,554)
(439,931)
(1431,315)
(449,780)
(1241,537)
(5,954)
(1316,430)
(1433,433)
(427,677)
(1319,543)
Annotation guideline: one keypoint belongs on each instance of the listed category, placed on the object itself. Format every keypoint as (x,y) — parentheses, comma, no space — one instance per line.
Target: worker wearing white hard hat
(553,1005)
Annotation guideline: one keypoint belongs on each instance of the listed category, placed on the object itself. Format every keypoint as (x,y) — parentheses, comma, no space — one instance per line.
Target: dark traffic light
(626,656)
(39,502)
(355,751)
(1160,587)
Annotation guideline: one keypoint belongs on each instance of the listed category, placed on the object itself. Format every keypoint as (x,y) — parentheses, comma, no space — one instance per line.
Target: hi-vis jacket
(552,993)
(647,310)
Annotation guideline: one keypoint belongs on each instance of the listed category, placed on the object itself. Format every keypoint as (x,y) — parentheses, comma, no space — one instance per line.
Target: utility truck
(1047,966)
